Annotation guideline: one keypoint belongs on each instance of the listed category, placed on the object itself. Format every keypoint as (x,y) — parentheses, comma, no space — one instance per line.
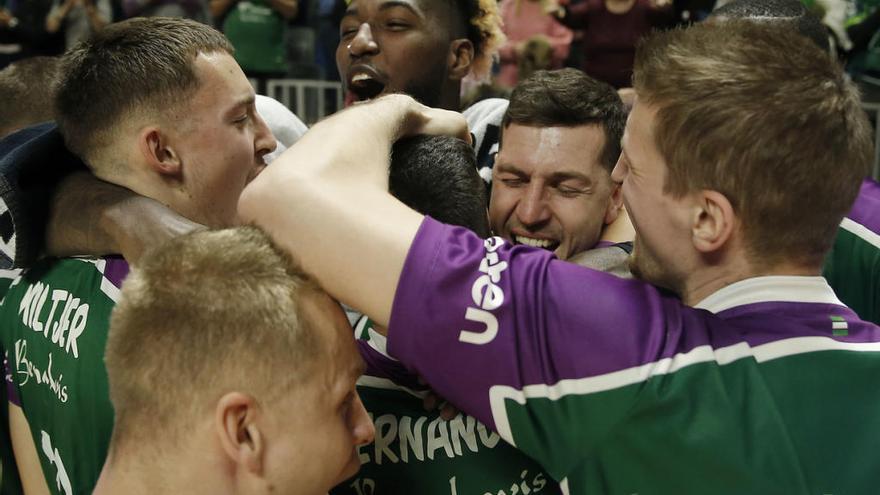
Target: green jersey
(257,33)
(9,482)
(767,386)
(416,451)
(853,265)
(55,318)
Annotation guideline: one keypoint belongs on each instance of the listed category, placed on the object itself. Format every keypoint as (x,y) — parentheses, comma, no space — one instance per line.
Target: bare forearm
(325,200)
(93,217)
(77,214)
(26,458)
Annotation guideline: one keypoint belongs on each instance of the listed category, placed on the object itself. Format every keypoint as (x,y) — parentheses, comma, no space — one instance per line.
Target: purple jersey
(616,387)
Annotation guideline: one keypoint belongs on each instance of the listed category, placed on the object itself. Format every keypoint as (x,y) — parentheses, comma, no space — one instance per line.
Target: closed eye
(395,25)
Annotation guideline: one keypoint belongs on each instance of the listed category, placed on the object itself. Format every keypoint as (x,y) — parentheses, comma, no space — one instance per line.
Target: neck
(450,98)
(703,283)
(150,472)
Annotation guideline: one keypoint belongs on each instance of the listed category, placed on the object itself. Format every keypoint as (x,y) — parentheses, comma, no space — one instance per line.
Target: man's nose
(264,140)
(363,42)
(362,426)
(532,208)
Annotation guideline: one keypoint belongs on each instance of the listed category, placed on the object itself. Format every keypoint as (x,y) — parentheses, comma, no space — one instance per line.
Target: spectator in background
(256,30)
(329,13)
(196,10)
(611,30)
(78,19)
(23,32)
(27,89)
(531,31)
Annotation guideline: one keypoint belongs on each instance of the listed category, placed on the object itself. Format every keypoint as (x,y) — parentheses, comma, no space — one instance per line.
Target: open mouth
(548,244)
(363,87)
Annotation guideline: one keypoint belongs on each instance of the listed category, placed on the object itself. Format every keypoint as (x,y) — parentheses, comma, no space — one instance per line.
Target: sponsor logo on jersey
(487,296)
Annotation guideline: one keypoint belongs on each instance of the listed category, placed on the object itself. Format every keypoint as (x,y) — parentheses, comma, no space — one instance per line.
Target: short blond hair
(203,315)
(759,113)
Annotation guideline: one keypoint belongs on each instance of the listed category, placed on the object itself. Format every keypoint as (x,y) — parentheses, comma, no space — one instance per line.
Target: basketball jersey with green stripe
(767,386)
(853,265)
(416,451)
(10,484)
(55,318)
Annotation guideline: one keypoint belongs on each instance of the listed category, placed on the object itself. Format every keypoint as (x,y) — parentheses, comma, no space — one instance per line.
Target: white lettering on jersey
(487,296)
(61,480)
(65,321)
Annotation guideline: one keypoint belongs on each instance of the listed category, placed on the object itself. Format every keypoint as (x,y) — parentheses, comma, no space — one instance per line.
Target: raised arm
(325,200)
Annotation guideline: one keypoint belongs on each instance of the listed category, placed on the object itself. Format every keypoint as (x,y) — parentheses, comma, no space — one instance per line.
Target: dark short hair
(27,88)
(480,22)
(569,98)
(792,13)
(141,63)
(437,176)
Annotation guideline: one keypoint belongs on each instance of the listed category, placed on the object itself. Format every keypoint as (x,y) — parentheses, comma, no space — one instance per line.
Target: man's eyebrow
(508,168)
(390,4)
(564,175)
(244,102)
(353,11)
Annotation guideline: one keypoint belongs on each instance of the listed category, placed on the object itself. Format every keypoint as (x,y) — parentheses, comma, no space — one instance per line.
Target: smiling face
(662,245)
(220,141)
(550,190)
(394,46)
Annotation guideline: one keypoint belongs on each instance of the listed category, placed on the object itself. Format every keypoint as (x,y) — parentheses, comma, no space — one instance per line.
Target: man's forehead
(416,5)
(639,130)
(560,151)
(421,7)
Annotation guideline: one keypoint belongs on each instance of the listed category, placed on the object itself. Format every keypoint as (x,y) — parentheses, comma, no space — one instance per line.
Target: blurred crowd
(652,265)
(277,39)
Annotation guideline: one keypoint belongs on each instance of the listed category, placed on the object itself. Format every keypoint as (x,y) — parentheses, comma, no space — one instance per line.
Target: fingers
(416,118)
(433,402)
(438,122)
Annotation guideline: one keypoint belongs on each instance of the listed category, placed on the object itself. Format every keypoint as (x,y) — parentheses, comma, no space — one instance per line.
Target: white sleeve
(285,126)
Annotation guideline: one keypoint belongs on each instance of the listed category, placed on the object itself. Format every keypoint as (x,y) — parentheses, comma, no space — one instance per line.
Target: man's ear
(615,203)
(237,424)
(461,56)
(158,152)
(714,221)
